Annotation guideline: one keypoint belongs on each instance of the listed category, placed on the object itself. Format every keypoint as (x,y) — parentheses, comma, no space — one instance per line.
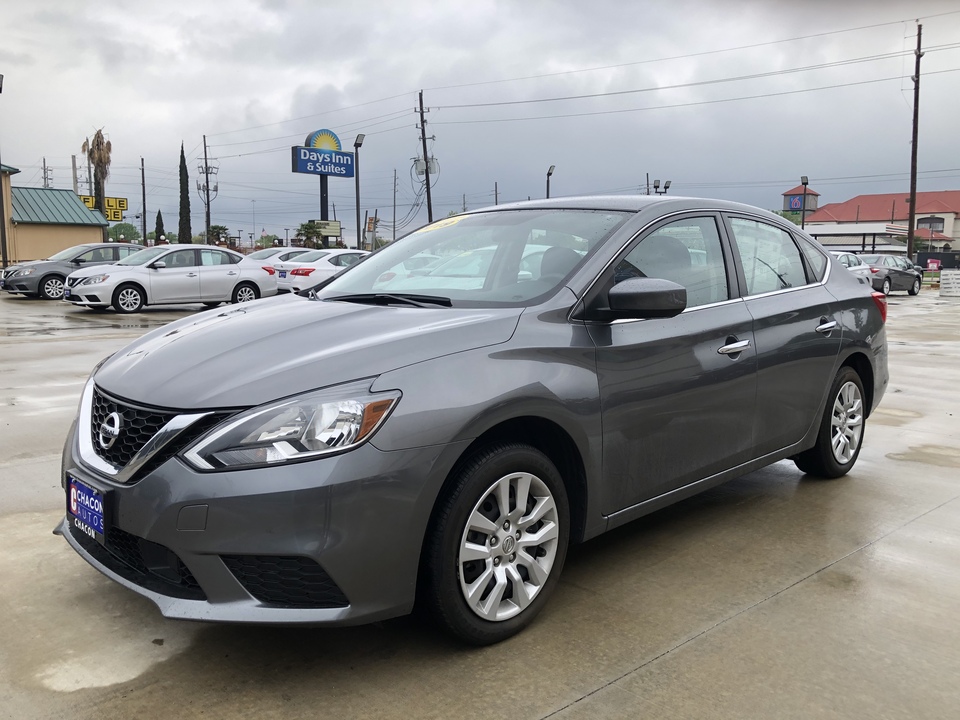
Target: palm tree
(98,153)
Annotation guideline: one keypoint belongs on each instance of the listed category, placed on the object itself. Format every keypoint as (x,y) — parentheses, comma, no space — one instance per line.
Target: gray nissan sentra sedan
(441,436)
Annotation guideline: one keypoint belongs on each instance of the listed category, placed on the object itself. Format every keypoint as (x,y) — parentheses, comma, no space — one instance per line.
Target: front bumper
(24,285)
(99,295)
(235,546)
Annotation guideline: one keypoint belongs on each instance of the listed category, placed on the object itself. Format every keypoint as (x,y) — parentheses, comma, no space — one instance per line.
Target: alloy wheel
(508,546)
(53,288)
(846,427)
(246,294)
(129,299)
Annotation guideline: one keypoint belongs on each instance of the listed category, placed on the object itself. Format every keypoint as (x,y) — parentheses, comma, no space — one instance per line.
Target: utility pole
(394,205)
(496,194)
(143,198)
(73,163)
(3,215)
(464,202)
(203,187)
(89,175)
(47,175)
(648,183)
(913,146)
(426,159)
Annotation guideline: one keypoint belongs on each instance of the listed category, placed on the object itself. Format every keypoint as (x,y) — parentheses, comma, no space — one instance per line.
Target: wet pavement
(774,595)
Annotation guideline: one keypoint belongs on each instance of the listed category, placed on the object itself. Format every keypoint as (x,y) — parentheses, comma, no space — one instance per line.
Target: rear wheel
(887,287)
(128,299)
(915,288)
(841,429)
(51,287)
(498,544)
(245,292)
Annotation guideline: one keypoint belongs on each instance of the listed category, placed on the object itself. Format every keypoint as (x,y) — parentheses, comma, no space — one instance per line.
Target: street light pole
(3,211)
(356,177)
(803,207)
(656,187)
(549,173)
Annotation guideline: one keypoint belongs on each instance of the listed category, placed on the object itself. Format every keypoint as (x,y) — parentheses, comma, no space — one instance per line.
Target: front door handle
(734,348)
(191,274)
(825,328)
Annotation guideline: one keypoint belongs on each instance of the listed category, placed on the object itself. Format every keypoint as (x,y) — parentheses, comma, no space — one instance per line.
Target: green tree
(309,232)
(184,230)
(266,241)
(130,233)
(219,233)
(159,231)
(793,217)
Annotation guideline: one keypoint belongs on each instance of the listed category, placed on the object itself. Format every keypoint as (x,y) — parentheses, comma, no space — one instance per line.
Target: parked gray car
(45,278)
(892,272)
(334,457)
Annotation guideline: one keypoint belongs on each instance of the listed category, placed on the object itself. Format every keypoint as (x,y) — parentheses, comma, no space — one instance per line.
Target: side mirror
(158,265)
(78,261)
(640,298)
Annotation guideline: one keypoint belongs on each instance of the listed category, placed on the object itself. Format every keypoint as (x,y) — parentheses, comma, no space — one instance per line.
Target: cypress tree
(184,235)
(159,230)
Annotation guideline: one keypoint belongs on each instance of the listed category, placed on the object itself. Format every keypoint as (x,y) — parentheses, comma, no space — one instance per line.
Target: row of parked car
(885,272)
(129,277)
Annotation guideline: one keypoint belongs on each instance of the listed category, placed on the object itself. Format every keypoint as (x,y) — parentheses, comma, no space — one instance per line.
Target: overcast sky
(833,100)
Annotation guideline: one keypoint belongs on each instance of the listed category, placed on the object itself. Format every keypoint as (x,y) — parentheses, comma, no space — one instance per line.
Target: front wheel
(51,287)
(498,544)
(128,299)
(841,429)
(915,288)
(245,292)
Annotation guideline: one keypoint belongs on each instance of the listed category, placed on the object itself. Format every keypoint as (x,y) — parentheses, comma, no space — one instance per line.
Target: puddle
(892,417)
(938,455)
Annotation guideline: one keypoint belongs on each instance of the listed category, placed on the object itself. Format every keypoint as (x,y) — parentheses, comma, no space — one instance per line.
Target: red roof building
(937,213)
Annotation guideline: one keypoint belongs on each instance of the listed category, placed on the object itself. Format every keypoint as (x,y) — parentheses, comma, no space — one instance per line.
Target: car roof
(625,203)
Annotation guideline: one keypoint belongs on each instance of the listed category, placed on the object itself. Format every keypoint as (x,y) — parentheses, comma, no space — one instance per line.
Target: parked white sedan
(172,274)
(314,267)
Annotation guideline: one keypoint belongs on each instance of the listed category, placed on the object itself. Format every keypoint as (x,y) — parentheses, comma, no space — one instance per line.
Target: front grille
(147,564)
(286,581)
(137,426)
(73,282)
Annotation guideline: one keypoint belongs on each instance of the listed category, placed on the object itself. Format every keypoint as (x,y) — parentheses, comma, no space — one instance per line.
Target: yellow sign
(113,207)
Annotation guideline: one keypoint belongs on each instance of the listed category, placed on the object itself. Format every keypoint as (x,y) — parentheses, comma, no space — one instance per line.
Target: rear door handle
(231,273)
(734,348)
(191,274)
(826,328)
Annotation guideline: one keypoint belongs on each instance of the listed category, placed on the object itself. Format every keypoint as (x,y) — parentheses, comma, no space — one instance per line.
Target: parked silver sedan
(853,263)
(311,268)
(172,274)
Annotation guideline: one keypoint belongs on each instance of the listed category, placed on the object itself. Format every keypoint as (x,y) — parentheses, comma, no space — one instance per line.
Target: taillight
(881,300)
(302,271)
(270,270)
(874,270)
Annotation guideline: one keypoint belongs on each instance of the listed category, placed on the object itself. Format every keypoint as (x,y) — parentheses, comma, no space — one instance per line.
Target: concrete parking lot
(774,595)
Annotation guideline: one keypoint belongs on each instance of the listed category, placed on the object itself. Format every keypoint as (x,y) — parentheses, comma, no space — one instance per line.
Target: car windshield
(144,256)
(69,253)
(265,253)
(506,257)
(312,255)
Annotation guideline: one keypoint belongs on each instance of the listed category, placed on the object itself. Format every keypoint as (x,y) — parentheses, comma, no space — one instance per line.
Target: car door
(795,325)
(178,280)
(909,275)
(678,394)
(218,275)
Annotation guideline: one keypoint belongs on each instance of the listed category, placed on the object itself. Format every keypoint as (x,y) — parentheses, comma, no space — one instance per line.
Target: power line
(680,105)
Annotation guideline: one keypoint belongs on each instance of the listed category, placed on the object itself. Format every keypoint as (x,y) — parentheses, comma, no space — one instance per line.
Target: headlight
(25,272)
(312,425)
(94,280)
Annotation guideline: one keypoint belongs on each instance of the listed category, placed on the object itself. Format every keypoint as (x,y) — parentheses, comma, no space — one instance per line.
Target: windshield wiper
(394,299)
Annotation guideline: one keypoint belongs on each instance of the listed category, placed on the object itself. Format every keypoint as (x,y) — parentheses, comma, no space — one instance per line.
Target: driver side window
(687,252)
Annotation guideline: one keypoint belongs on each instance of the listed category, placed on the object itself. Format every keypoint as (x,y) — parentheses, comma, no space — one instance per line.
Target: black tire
(212,304)
(886,287)
(821,460)
(915,288)
(51,287)
(129,298)
(470,492)
(241,293)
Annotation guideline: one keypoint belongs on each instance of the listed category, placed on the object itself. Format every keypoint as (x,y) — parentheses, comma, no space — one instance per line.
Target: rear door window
(771,259)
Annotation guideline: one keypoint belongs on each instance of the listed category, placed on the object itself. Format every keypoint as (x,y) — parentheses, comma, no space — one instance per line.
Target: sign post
(323,155)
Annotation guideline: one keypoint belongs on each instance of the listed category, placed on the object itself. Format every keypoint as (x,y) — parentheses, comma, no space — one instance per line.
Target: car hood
(92,270)
(269,349)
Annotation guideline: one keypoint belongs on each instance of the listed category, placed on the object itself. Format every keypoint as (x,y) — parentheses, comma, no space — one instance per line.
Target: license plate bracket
(85,508)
